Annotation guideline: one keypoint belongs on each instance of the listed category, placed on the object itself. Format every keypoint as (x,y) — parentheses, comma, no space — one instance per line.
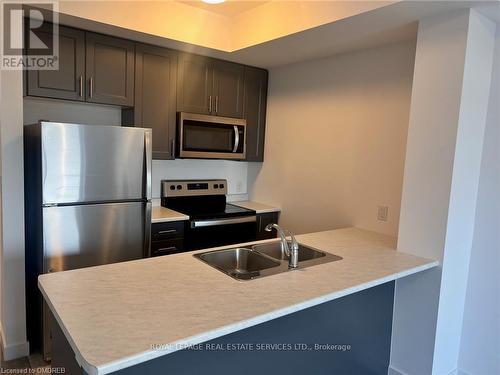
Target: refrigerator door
(90,235)
(89,163)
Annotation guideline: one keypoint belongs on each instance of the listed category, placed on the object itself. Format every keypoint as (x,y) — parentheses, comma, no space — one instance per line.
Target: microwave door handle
(236,139)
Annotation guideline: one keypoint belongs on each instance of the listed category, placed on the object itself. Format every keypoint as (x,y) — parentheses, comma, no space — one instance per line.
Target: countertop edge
(169,219)
(224,330)
(89,368)
(268,210)
(166,215)
(250,205)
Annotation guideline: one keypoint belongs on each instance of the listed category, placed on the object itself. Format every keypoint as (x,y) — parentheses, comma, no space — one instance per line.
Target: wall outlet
(383,213)
(239,187)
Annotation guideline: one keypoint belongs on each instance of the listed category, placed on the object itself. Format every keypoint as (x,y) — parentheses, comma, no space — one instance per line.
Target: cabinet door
(155,87)
(195,85)
(167,230)
(168,247)
(262,221)
(255,112)
(109,70)
(228,88)
(68,81)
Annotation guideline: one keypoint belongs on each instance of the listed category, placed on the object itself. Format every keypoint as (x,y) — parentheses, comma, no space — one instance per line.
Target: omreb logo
(30,36)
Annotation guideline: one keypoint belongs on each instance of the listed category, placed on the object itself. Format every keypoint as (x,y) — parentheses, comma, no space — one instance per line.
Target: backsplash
(183,169)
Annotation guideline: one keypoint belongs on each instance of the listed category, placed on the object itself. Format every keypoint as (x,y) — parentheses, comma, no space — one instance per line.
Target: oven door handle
(217,222)
(236,139)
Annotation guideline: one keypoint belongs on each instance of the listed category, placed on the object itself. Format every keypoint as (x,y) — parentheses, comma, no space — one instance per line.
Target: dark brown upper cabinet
(255,111)
(109,70)
(68,81)
(228,89)
(209,86)
(152,83)
(195,84)
(155,90)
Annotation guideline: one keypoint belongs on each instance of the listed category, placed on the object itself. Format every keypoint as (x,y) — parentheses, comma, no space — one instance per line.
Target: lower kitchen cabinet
(167,238)
(167,247)
(262,221)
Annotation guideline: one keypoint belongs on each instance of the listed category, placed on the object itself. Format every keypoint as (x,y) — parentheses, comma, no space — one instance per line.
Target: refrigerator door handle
(147,230)
(148,155)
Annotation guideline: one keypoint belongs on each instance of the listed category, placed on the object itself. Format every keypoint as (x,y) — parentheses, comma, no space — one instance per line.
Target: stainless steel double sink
(246,263)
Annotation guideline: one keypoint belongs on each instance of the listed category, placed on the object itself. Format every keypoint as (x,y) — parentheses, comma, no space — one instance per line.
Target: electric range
(212,221)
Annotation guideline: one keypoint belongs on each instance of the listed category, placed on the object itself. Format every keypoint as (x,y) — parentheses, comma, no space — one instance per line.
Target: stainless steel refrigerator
(87,203)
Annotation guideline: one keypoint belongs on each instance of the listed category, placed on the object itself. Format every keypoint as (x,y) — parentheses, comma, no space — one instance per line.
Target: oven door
(204,234)
(212,137)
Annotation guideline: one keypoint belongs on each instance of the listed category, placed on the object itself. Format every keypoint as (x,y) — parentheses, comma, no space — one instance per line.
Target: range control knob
(172,187)
(179,187)
(221,186)
(216,186)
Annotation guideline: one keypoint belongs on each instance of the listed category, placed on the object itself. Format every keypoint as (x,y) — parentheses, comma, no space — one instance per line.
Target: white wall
(13,311)
(480,343)
(450,93)
(464,188)
(335,140)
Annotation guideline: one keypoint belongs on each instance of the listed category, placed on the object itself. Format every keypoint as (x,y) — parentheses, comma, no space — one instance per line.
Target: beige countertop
(112,315)
(161,214)
(260,208)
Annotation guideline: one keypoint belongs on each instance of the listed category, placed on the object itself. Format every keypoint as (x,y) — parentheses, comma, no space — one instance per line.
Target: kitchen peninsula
(142,316)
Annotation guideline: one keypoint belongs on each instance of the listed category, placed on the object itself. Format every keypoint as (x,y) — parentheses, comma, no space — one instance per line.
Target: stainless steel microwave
(211,137)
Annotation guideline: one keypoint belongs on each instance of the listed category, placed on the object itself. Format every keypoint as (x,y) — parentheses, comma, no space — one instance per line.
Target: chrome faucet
(291,252)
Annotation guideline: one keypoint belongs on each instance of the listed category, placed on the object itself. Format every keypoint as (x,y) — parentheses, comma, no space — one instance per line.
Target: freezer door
(90,235)
(89,163)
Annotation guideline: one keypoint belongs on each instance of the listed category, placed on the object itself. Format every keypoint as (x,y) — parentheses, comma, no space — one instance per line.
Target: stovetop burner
(229,210)
(200,199)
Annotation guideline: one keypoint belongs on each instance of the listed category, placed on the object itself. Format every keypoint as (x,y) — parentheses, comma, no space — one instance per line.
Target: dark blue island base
(349,335)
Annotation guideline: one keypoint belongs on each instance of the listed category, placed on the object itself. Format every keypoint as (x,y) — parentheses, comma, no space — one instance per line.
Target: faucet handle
(294,243)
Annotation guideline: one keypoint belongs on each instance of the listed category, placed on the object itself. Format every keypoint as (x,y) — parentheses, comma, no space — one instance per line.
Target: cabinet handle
(91,87)
(167,248)
(217,104)
(172,149)
(167,231)
(210,103)
(80,86)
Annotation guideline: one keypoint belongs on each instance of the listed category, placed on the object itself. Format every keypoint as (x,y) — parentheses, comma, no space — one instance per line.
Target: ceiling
(353,29)
(491,10)
(229,8)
